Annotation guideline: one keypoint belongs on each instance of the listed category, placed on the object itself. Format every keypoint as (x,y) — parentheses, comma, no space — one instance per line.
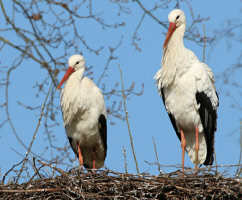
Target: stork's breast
(181,103)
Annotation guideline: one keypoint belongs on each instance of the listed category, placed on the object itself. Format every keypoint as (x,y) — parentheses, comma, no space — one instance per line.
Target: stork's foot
(196,148)
(183,146)
(80,155)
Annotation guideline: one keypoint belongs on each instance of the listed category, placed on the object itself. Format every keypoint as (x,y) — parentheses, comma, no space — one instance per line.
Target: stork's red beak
(69,71)
(170,31)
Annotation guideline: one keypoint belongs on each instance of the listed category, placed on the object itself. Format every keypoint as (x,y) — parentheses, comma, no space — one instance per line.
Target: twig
(156,155)
(34,190)
(125,162)
(215,159)
(111,57)
(204,44)
(34,136)
(55,168)
(35,169)
(4,175)
(151,15)
(239,169)
(135,35)
(126,113)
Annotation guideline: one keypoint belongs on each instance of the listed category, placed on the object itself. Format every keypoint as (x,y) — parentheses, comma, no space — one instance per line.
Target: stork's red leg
(183,146)
(94,160)
(80,155)
(196,149)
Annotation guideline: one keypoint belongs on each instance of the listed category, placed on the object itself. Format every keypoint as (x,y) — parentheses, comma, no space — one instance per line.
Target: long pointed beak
(170,31)
(69,71)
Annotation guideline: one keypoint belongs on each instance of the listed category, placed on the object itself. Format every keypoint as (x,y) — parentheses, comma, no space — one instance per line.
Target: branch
(151,15)
(126,113)
(34,136)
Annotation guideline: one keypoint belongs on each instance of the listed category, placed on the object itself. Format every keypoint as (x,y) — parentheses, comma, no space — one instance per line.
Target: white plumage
(84,114)
(187,88)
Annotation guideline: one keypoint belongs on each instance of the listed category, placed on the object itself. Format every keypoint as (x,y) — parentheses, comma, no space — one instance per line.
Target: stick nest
(106,184)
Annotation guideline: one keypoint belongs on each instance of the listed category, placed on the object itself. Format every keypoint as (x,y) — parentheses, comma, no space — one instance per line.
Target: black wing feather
(208,117)
(74,149)
(103,131)
(171,116)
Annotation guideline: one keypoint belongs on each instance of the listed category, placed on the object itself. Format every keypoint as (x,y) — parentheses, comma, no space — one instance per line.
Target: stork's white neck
(74,81)
(78,75)
(70,93)
(174,57)
(176,40)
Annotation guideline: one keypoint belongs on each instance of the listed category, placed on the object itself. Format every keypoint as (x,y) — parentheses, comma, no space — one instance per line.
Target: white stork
(186,86)
(84,115)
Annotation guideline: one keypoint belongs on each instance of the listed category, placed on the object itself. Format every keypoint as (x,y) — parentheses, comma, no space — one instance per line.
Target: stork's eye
(77,63)
(177,17)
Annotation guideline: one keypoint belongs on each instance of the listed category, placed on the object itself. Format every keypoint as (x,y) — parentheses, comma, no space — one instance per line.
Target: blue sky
(148,117)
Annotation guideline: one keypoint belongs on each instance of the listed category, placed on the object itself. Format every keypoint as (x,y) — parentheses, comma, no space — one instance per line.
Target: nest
(107,184)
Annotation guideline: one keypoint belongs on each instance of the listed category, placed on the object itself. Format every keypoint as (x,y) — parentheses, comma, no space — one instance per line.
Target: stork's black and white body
(84,115)
(186,86)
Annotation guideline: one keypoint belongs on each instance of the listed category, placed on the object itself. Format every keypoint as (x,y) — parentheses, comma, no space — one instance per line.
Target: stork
(84,115)
(187,88)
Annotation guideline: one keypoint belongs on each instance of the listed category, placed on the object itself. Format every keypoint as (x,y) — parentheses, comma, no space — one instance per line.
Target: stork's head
(75,63)
(176,18)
